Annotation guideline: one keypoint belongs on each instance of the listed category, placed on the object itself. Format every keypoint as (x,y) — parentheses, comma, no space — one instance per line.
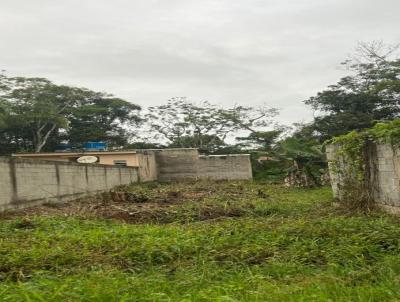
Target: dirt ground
(144,203)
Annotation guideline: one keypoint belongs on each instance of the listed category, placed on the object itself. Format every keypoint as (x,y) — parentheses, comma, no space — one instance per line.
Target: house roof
(72,154)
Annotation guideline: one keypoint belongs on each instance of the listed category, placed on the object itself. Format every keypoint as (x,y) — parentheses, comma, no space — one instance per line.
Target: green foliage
(305,154)
(294,153)
(351,150)
(103,118)
(357,101)
(263,140)
(272,171)
(299,149)
(352,143)
(36,113)
(230,149)
(3,114)
(286,245)
(203,125)
(205,143)
(35,109)
(353,163)
(386,132)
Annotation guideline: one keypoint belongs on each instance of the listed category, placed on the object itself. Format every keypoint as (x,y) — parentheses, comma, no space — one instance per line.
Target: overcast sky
(225,51)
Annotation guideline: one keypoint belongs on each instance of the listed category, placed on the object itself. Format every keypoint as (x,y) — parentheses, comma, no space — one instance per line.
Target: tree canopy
(34,111)
(183,123)
(357,101)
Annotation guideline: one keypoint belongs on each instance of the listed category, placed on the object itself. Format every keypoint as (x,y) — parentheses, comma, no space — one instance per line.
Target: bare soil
(151,203)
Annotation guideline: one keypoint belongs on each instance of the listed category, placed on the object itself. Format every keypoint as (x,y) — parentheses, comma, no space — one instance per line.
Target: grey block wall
(387,165)
(148,167)
(25,182)
(228,167)
(177,164)
(335,178)
(180,164)
(385,171)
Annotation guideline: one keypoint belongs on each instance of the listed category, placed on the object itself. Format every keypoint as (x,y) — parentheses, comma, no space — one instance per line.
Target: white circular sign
(87,159)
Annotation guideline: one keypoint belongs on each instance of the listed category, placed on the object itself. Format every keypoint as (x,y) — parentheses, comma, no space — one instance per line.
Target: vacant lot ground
(206,241)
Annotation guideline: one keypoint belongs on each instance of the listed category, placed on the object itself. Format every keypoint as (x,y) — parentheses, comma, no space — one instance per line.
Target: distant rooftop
(68,153)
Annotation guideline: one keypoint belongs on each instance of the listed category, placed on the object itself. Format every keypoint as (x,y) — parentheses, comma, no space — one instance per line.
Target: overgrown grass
(267,243)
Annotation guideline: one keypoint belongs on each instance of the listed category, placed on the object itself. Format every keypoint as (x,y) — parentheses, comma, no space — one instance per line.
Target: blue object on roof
(95,146)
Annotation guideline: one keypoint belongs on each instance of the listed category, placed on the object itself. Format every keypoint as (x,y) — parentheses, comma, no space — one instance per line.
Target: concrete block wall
(335,177)
(385,175)
(148,167)
(387,165)
(177,164)
(224,167)
(180,164)
(25,182)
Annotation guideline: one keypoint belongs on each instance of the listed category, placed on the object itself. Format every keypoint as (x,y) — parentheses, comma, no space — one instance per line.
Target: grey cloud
(244,51)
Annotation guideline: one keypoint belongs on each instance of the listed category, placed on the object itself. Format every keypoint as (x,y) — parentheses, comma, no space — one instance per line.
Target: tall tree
(35,110)
(205,142)
(3,114)
(37,106)
(261,140)
(102,118)
(371,93)
(203,125)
